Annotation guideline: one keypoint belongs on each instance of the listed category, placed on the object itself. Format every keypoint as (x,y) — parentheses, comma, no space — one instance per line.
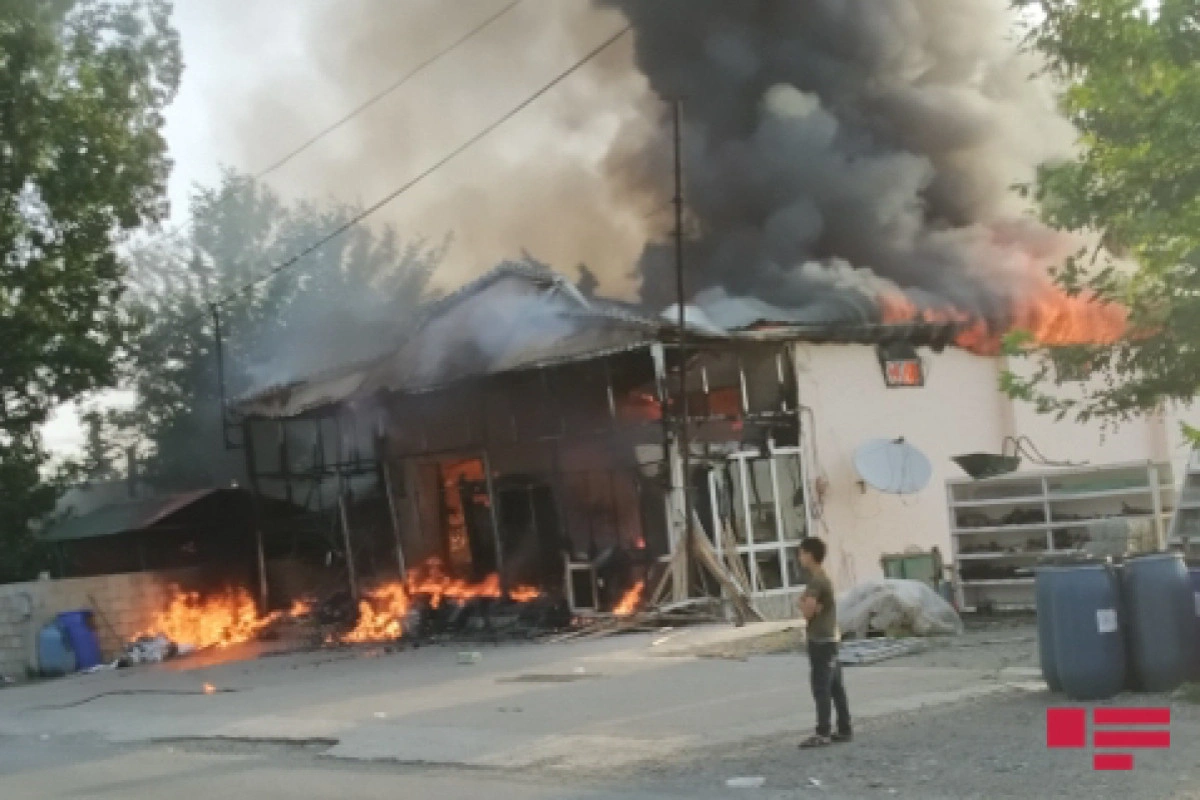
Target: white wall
(959,410)
(1094,443)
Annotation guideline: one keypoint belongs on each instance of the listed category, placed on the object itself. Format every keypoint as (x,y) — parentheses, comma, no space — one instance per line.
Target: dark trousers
(827,688)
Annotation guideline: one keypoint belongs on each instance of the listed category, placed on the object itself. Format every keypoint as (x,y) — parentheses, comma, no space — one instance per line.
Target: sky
(262,76)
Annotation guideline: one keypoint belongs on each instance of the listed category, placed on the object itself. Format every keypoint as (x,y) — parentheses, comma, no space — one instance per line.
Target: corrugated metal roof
(117,518)
(540,319)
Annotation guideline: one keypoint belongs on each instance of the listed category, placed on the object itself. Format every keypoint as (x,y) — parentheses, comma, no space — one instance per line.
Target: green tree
(1131,78)
(83,84)
(349,300)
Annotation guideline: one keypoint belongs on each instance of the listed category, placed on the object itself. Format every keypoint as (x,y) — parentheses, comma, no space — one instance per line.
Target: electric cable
(380,95)
(391,196)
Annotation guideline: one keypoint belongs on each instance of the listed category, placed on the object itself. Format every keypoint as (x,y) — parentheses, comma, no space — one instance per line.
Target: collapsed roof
(520,317)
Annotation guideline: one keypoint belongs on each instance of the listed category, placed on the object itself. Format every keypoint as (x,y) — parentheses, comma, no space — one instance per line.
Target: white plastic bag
(895,606)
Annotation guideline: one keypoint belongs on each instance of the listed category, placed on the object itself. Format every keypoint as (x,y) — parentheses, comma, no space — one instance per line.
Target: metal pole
(263,588)
(353,575)
(684,443)
(392,511)
(495,519)
(219,348)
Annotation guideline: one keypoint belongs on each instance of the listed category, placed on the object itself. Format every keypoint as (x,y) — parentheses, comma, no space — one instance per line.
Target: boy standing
(819,608)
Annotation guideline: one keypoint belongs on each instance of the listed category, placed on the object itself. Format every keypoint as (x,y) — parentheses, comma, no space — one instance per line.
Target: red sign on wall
(904,373)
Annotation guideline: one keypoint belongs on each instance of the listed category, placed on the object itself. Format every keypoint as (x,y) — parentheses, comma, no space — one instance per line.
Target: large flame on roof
(381,613)
(1049,315)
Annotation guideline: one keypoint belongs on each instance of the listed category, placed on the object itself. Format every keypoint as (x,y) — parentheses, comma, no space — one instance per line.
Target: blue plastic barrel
(77,625)
(1089,652)
(1194,576)
(1162,620)
(1044,577)
(54,654)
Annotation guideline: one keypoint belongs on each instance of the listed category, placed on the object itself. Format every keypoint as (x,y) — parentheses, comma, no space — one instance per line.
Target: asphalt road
(36,769)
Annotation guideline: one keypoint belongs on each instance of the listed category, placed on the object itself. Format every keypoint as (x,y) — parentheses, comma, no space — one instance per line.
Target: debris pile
(696,611)
(430,603)
(152,650)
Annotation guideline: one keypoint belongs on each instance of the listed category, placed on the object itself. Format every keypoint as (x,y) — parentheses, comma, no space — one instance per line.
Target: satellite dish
(893,466)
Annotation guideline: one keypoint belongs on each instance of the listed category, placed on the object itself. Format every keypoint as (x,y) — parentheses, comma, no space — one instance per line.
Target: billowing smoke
(842,152)
(536,184)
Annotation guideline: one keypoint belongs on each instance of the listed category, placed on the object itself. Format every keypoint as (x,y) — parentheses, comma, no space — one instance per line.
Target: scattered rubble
(871,651)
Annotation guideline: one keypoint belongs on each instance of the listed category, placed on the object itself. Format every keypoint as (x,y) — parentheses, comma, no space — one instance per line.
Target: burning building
(854,253)
(524,439)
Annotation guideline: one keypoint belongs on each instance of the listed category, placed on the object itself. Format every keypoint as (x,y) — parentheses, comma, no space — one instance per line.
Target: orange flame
(629,603)
(217,621)
(1050,315)
(300,608)
(210,689)
(381,614)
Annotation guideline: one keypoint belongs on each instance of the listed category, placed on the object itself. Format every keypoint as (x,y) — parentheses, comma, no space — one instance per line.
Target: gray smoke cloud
(842,147)
(537,184)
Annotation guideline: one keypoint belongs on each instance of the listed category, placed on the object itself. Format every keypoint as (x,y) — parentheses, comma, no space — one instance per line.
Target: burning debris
(200,622)
(428,599)
(852,161)
(629,603)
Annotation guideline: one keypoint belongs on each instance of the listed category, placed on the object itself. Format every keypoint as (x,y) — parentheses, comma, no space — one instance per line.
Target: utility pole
(683,438)
(219,349)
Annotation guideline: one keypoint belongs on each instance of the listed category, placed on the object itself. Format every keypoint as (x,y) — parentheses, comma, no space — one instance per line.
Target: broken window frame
(787,549)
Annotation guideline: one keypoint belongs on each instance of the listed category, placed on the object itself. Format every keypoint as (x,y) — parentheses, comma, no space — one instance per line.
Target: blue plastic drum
(1162,621)
(77,625)
(1044,586)
(1089,650)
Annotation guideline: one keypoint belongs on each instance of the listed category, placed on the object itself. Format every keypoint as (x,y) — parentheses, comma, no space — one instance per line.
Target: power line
(388,90)
(344,227)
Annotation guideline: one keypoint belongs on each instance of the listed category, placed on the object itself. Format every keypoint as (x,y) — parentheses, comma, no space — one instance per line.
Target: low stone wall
(123,606)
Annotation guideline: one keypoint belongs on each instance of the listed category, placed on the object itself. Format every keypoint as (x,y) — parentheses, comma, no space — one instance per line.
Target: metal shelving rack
(1186,521)
(1000,527)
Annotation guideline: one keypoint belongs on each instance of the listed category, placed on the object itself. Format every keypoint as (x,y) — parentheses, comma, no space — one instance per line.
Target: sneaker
(848,736)
(816,740)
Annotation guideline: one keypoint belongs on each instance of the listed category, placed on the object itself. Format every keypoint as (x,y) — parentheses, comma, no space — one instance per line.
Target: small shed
(167,532)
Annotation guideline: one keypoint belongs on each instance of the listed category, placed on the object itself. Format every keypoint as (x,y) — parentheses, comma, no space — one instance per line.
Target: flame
(210,689)
(381,614)
(1049,315)
(219,620)
(300,608)
(639,406)
(629,603)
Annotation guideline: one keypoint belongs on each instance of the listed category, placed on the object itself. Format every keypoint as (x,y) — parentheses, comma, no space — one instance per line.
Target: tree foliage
(83,162)
(347,301)
(1131,78)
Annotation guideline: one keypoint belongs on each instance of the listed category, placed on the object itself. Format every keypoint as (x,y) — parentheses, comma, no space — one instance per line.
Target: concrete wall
(123,606)
(959,410)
